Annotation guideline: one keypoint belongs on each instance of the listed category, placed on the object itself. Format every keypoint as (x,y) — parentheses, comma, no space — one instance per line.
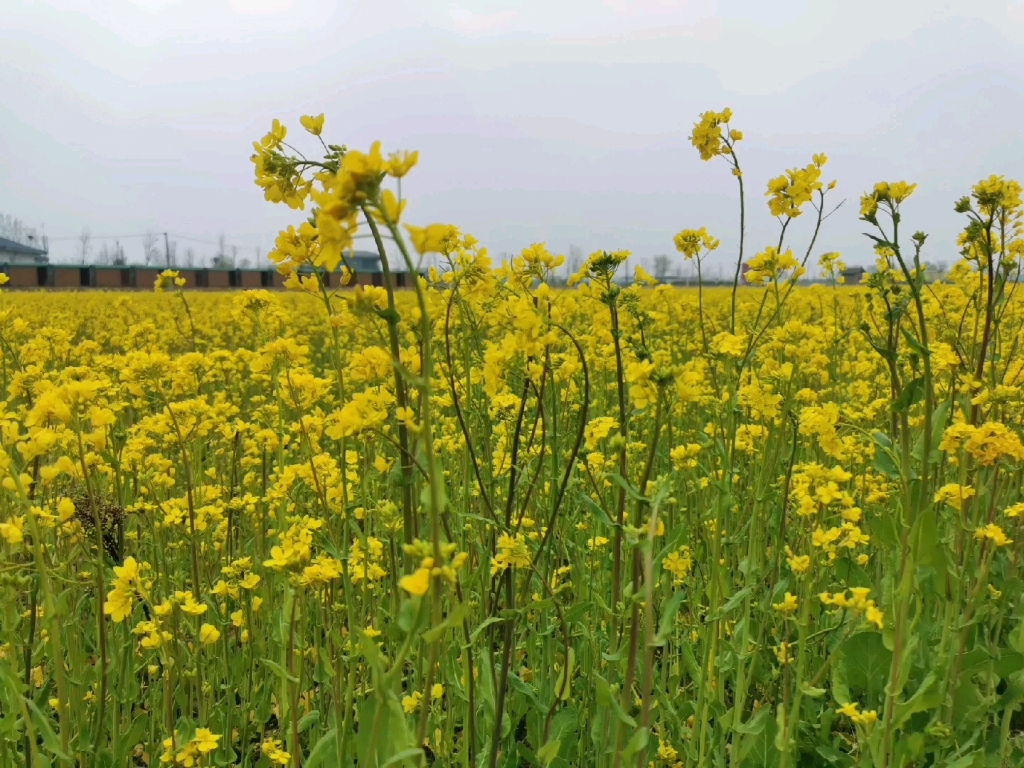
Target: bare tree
(12,228)
(16,230)
(150,252)
(575,259)
(84,245)
(190,257)
(112,254)
(661,265)
(226,255)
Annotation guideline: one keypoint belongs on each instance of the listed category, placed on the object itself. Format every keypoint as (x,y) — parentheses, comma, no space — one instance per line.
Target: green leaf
(886,460)
(1010,662)
(755,724)
(887,354)
(280,671)
(549,751)
(757,750)
(454,618)
(666,626)
(45,730)
(834,756)
(882,440)
(867,667)
(484,625)
(690,662)
(625,485)
(402,756)
(906,663)
(578,611)
(840,688)
(564,724)
(607,698)
(322,749)
(563,683)
(928,696)
(814,693)
(913,343)
(309,719)
(733,602)
(516,682)
(976,758)
(912,392)
(598,511)
(407,614)
(635,744)
(938,427)
(426,496)
(924,541)
(481,519)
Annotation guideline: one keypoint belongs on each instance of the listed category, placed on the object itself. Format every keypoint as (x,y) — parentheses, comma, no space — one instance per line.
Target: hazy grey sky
(561,121)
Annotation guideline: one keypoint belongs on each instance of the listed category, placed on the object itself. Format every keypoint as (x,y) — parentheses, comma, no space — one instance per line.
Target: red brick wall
(145,277)
(22,277)
(219,278)
(108,278)
(67,277)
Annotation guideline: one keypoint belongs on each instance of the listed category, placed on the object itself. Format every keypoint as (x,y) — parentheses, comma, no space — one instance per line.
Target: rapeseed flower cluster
(517,508)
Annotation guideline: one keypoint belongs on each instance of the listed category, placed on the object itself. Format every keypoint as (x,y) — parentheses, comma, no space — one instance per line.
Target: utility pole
(167,251)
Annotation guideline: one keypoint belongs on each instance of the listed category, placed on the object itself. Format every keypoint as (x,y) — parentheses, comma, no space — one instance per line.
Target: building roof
(11,246)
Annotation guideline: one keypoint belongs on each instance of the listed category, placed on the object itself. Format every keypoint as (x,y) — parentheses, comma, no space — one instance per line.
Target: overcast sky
(564,121)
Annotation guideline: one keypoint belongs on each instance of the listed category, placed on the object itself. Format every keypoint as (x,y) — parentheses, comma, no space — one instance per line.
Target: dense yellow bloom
(127,585)
(790,192)
(208,634)
(191,752)
(679,563)
(954,495)
(993,533)
(797,563)
(435,238)
(729,344)
(690,242)
(497,436)
(770,265)
(788,605)
(512,551)
(886,193)
(315,125)
(417,583)
(411,702)
(12,531)
(707,136)
(272,748)
(863,718)
(857,601)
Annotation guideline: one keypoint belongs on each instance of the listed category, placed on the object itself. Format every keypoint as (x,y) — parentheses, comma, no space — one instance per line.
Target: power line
(188,238)
(99,237)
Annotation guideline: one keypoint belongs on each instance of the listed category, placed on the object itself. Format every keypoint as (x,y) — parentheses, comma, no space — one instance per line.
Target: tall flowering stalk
(500,515)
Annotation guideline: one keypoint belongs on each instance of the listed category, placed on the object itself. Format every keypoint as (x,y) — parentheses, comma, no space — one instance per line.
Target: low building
(18,254)
(853,275)
(28,267)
